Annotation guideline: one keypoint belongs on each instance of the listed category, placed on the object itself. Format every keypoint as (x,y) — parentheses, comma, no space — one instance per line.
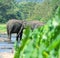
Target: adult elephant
(14,26)
(17,26)
(33,24)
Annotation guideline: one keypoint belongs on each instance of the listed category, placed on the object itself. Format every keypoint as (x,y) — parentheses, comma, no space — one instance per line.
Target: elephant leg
(17,37)
(21,34)
(9,37)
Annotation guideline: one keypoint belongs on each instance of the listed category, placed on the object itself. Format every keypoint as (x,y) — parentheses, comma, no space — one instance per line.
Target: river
(5,45)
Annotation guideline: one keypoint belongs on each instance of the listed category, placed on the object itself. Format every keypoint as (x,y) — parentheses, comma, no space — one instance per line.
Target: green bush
(43,42)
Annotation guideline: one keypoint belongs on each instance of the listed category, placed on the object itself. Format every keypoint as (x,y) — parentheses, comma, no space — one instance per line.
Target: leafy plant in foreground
(43,42)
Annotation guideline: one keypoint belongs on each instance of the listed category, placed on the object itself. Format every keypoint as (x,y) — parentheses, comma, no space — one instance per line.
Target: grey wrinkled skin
(14,26)
(17,26)
(34,24)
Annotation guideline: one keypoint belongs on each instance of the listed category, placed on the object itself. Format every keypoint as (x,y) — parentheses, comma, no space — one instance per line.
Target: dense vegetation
(43,42)
(42,10)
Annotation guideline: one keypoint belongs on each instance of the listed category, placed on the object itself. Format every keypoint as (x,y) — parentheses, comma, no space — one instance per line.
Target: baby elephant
(14,26)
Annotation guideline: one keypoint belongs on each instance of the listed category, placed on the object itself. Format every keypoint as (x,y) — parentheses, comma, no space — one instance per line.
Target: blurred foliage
(43,42)
(27,9)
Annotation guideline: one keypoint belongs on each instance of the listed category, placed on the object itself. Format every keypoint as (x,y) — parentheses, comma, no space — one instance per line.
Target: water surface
(6,46)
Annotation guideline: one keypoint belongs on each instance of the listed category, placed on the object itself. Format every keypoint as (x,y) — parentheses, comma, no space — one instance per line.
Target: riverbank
(6,55)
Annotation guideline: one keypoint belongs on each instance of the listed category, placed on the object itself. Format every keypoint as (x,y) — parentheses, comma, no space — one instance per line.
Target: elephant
(17,26)
(33,24)
(14,26)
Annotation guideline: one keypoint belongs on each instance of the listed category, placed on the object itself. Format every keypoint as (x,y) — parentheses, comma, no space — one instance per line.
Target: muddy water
(5,45)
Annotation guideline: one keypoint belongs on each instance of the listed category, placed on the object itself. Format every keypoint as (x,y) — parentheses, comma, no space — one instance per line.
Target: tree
(5,10)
